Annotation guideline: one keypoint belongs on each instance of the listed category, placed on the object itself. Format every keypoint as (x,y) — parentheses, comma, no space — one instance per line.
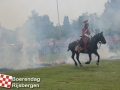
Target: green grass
(106,76)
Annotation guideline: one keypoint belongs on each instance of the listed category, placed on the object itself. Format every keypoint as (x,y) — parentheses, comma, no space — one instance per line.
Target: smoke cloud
(30,45)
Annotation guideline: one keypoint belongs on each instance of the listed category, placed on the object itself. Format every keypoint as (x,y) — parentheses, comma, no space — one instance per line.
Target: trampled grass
(106,76)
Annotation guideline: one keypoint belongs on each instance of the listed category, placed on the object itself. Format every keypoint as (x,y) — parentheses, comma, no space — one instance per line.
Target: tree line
(39,27)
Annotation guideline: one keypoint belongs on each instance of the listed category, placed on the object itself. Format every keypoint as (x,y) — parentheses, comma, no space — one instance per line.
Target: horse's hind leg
(73,54)
(77,57)
(96,53)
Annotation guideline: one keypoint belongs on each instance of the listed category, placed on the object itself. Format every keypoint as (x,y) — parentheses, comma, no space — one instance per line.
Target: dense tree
(8,36)
(66,28)
(111,14)
(75,28)
(39,27)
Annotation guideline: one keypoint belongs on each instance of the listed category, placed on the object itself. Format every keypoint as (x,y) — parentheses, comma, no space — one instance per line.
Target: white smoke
(105,52)
(25,58)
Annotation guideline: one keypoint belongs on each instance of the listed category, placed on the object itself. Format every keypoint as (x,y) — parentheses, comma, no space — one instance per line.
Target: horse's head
(101,38)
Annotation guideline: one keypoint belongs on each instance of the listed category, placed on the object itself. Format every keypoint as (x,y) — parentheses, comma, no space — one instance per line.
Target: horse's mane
(95,35)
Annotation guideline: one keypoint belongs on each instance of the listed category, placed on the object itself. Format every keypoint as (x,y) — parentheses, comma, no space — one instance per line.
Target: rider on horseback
(85,37)
(86,34)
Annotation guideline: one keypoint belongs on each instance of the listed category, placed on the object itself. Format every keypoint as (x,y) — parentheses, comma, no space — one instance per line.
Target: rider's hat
(86,22)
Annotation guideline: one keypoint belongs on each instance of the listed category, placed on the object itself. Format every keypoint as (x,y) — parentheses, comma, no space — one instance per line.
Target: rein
(100,44)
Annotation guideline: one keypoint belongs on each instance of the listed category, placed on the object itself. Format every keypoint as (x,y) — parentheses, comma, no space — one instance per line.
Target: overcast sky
(13,13)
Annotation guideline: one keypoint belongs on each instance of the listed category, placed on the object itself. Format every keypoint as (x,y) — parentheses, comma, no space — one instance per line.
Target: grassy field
(106,76)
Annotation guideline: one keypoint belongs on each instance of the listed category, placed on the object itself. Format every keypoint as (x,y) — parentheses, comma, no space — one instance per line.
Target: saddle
(79,47)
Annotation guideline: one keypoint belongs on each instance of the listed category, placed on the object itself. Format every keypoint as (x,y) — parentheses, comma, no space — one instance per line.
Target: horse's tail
(68,47)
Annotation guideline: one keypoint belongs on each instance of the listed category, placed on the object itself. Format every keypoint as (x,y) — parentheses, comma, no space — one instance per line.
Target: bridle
(99,41)
(100,44)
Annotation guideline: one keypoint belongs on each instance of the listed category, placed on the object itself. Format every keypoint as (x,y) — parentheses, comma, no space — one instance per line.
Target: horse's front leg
(90,58)
(77,57)
(96,53)
(73,54)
